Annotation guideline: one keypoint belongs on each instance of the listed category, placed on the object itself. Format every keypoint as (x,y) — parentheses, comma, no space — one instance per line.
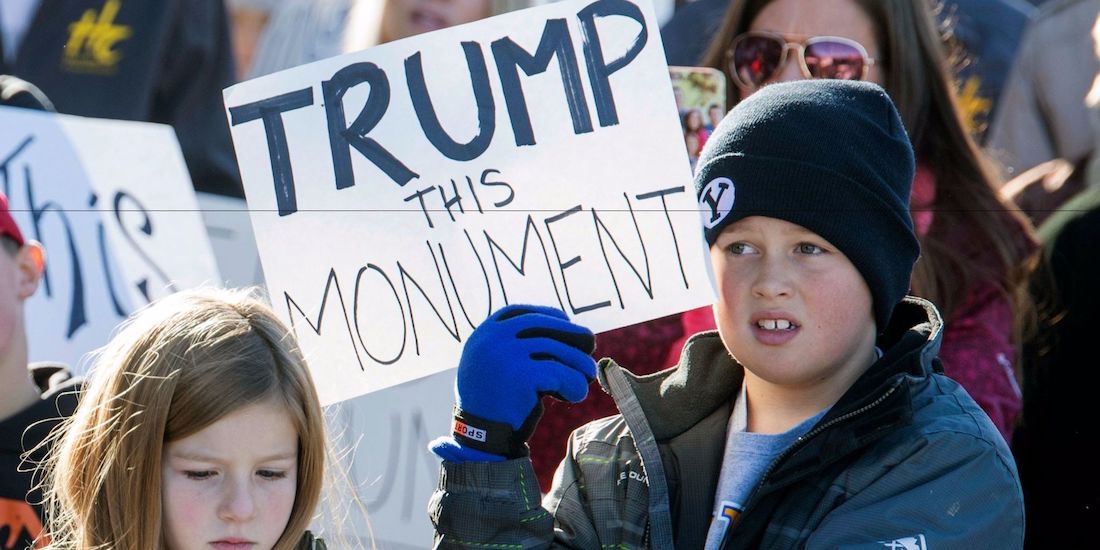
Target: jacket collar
(27,427)
(878,403)
(707,377)
(677,398)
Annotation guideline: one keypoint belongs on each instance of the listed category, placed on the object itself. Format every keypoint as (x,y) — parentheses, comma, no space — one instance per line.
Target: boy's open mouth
(776,324)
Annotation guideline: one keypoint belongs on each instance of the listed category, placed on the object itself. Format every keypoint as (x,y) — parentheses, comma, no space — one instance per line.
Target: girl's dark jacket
(905,457)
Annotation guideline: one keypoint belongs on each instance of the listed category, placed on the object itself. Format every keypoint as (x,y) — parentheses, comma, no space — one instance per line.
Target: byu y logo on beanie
(716,200)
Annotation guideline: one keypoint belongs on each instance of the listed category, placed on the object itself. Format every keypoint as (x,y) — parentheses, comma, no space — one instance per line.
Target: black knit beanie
(829,155)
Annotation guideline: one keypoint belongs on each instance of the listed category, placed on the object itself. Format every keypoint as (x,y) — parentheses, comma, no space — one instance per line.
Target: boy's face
(792,308)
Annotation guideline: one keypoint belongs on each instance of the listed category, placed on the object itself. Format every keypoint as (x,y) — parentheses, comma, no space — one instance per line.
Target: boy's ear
(31,262)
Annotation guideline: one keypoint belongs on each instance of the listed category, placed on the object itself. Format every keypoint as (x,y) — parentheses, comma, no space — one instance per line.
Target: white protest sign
(402,193)
(381,442)
(112,204)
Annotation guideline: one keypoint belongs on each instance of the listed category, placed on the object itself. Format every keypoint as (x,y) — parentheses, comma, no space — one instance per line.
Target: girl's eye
(811,249)
(198,475)
(271,474)
(740,248)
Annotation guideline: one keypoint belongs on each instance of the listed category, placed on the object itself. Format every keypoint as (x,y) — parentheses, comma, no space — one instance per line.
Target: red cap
(7,223)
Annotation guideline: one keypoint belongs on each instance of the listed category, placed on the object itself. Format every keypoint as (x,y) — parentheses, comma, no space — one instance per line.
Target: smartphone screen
(701,100)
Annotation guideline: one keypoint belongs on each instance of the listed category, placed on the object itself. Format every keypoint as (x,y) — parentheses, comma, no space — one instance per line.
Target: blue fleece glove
(511,360)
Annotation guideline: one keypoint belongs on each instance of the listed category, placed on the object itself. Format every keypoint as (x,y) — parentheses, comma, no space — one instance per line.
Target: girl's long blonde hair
(175,368)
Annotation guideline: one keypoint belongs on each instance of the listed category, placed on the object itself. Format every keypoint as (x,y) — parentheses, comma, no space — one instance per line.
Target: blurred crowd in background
(1001,99)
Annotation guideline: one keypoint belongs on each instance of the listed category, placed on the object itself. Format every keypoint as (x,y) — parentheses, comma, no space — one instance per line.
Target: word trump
(510,58)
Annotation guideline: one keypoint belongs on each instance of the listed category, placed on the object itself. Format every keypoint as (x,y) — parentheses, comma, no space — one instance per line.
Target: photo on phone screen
(701,100)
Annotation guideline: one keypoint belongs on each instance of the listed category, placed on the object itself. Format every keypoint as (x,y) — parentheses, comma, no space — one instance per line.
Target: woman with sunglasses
(975,250)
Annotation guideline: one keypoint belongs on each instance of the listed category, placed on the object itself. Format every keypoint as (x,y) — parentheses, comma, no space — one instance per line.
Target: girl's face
(798,20)
(793,310)
(231,486)
(405,18)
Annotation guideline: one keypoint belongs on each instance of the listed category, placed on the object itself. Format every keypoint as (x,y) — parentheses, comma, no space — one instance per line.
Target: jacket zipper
(803,439)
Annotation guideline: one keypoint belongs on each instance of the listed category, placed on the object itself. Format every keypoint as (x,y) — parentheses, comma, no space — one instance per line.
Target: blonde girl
(200,428)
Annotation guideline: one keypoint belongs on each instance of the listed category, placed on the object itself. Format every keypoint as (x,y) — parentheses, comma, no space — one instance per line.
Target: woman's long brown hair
(976,236)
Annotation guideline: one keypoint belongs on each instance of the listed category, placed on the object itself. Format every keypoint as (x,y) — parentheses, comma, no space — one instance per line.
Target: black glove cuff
(494,437)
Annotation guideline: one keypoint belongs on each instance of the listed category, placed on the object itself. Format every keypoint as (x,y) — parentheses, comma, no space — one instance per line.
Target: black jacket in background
(1055,443)
(19,510)
(161,61)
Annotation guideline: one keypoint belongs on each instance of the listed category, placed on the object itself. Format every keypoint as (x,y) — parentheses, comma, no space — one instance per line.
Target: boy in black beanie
(815,416)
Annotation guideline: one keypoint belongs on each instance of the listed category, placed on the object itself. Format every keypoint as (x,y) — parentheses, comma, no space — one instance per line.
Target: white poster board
(381,442)
(112,204)
(402,193)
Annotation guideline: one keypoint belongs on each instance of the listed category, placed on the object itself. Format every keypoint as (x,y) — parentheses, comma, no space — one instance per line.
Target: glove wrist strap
(493,437)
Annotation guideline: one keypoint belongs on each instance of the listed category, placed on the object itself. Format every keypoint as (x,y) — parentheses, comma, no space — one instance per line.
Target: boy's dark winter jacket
(905,455)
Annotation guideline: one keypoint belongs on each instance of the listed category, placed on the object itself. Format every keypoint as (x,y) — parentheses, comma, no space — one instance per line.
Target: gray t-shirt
(747,455)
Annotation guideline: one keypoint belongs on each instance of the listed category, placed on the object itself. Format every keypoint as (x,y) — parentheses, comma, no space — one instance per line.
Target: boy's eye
(740,248)
(271,474)
(198,475)
(812,249)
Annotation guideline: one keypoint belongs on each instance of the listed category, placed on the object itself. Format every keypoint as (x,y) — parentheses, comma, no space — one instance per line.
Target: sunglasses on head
(756,57)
